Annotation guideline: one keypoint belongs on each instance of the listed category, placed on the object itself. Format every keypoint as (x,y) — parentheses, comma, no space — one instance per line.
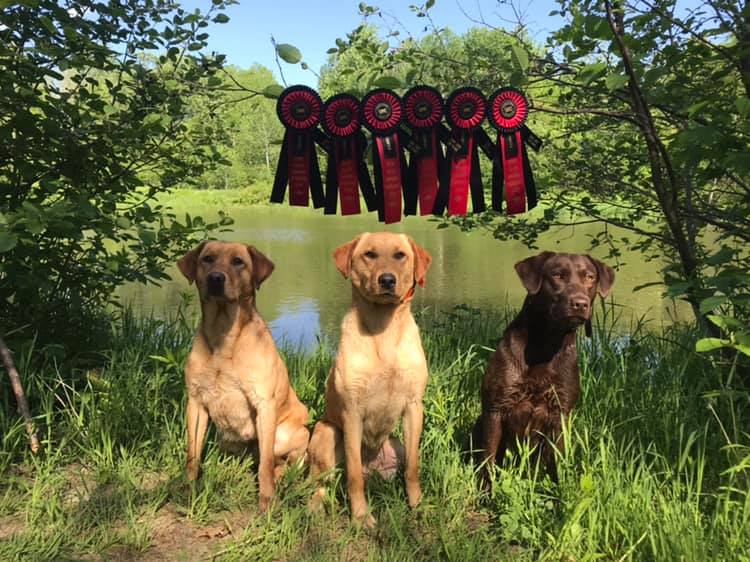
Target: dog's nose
(579,304)
(387,281)
(216,278)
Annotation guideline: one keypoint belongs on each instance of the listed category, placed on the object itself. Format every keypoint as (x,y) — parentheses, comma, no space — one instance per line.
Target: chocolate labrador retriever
(234,374)
(531,382)
(380,371)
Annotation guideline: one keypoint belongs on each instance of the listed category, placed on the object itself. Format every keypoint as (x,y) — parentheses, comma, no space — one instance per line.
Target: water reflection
(306,295)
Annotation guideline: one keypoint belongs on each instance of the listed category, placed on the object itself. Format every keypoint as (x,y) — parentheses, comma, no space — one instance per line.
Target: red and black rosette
(347,169)
(465,110)
(381,112)
(508,110)
(423,113)
(299,109)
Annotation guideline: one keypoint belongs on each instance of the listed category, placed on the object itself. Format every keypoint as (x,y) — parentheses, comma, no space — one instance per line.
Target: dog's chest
(221,393)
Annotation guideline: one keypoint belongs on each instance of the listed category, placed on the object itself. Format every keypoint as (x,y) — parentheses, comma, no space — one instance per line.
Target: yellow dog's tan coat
(234,374)
(380,371)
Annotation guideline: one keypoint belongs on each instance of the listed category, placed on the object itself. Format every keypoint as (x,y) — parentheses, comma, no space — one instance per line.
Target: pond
(306,295)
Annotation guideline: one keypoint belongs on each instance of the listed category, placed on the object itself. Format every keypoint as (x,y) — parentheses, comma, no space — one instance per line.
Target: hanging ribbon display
(508,110)
(465,110)
(423,111)
(381,115)
(298,108)
(347,169)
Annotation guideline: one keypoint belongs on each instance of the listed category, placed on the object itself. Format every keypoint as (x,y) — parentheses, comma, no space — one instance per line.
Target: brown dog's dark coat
(531,382)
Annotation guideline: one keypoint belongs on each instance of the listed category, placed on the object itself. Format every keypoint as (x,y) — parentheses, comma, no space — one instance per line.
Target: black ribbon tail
(365,182)
(282,171)
(531,195)
(379,194)
(409,183)
(316,185)
(497,183)
(332,186)
(477,188)
(528,137)
(444,183)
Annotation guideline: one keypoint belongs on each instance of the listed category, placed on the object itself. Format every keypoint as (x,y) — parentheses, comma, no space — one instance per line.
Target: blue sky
(313,26)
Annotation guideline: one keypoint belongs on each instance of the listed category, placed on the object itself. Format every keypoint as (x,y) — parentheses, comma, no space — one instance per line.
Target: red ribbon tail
(298,159)
(511,154)
(347,172)
(458,202)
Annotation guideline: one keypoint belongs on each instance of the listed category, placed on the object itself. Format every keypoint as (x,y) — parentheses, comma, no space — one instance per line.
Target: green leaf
(289,53)
(615,81)
(591,72)
(273,91)
(429,4)
(221,18)
(520,58)
(195,46)
(709,344)
(726,323)
(48,25)
(743,106)
(721,257)
(712,302)
(389,82)
(8,241)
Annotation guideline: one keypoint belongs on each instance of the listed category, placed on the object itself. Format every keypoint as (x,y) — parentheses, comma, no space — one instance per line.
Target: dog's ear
(262,266)
(530,271)
(188,264)
(605,276)
(342,256)
(422,261)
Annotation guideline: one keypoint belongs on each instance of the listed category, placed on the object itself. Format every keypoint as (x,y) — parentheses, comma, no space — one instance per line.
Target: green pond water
(306,295)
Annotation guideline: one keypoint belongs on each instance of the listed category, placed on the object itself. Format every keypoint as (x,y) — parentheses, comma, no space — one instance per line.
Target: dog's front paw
(366,520)
(264,502)
(193,471)
(414,493)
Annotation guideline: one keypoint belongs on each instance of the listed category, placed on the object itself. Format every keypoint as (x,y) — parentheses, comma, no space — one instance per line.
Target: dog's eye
(238,261)
(207,259)
(589,277)
(370,254)
(557,275)
(399,255)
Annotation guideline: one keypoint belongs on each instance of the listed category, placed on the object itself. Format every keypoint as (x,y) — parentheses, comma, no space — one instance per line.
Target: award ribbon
(381,115)
(298,108)
(347,170)
(508,110)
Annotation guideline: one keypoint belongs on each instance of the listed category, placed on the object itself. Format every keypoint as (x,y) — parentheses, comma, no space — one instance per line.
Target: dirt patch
(174,538)
(12,525)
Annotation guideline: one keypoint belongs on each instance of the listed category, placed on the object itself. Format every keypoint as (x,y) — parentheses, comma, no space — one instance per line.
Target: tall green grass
(656,467)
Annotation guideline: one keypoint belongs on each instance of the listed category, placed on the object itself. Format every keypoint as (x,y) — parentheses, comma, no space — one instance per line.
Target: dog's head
(227,271)
(565,285)
(383,266)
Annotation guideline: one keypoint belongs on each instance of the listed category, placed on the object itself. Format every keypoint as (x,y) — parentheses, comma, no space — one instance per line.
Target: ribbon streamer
(347,169)
(508,110)
(423,111)
(298,108)
(381,112)
(465,111)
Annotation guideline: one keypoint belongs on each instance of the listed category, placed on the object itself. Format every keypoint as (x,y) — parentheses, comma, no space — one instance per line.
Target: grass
(656,469)
(256,194)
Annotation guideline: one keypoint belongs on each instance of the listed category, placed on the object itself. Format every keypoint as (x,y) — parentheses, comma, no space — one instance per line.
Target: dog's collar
(409,295)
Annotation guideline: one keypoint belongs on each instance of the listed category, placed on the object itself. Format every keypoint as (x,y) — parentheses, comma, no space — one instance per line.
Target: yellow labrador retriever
(234,374)
(380,372)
